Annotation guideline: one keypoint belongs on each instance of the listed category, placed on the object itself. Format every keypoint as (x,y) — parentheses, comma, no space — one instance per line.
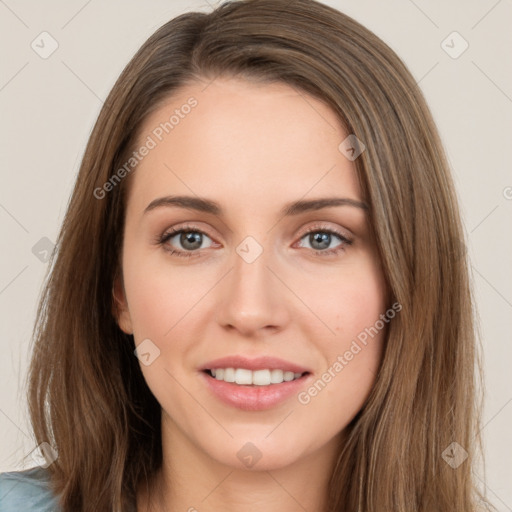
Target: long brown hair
(87,396)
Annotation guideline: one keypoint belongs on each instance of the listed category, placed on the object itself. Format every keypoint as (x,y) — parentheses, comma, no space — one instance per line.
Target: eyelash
(165,237)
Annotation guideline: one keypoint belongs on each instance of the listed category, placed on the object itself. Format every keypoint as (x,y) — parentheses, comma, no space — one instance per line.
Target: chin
(257,455)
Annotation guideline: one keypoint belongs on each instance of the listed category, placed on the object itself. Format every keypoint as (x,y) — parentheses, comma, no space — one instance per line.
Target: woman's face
(254,277)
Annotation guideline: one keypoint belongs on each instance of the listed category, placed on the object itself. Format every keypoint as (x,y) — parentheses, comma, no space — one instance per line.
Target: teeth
(258,377)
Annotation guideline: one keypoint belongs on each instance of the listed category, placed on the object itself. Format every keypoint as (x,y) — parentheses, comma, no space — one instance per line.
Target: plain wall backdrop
(60,60)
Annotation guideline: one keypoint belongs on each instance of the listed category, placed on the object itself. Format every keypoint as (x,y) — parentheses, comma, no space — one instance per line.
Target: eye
(188,240)
(321,238)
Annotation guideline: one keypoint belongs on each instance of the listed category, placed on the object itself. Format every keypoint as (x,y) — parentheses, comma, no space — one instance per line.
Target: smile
(265,377)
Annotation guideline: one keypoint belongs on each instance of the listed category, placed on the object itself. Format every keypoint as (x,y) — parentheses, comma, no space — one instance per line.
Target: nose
(254,301)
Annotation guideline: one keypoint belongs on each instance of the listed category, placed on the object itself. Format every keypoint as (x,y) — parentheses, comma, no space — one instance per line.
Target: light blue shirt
(27,491)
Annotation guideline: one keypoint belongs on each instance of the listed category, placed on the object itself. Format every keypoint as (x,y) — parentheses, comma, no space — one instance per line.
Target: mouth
(257,390)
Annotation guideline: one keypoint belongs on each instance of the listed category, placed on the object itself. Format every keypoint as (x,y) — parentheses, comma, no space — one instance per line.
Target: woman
(259,298)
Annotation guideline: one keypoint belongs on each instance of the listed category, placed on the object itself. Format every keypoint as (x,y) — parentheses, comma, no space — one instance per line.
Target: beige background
(49,106)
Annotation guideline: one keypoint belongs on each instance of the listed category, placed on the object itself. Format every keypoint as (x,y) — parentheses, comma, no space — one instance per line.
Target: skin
(252,148)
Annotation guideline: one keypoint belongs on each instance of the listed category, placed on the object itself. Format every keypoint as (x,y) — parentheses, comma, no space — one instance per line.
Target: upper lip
(258,363)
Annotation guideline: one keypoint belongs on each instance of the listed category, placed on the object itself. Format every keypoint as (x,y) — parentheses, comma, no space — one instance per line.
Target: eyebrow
(293,208)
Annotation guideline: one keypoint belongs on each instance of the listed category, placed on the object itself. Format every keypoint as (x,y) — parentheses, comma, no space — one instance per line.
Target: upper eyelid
(328,229)
(174,231)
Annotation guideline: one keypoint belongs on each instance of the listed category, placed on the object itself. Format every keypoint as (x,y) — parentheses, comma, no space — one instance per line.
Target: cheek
(358,308)
(151,306)
(350,300)
(356,312)
(159,295)
(350,364)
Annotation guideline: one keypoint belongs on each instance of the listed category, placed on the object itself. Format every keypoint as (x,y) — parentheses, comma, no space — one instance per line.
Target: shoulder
(27,490)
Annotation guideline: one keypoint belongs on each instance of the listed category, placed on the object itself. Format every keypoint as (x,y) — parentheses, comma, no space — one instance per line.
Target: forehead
(243,142)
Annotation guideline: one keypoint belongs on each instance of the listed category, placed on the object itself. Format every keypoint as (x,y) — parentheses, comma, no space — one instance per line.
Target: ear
(120,306)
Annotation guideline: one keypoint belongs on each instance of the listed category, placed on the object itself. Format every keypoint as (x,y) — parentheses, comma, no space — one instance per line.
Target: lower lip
(253,398)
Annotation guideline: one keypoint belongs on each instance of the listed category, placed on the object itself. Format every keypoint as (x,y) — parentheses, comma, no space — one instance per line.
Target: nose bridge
(250,270)
(252,296)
